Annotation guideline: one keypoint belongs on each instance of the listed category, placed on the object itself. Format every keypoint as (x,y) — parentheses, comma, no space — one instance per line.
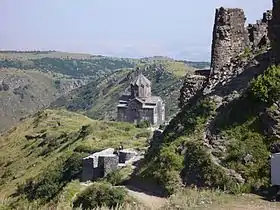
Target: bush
(83,148)
(115,178)
(266,87)
(100,194)
(143,124)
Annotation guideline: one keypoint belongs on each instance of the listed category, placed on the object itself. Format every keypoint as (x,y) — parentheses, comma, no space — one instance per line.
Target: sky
(180,29)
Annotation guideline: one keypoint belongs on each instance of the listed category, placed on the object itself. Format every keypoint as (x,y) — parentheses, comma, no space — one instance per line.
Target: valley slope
(34,80)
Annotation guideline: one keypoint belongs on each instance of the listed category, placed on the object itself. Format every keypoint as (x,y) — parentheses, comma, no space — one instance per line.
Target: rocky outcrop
(238,55)
(274,32)
(271,121)
(192,84)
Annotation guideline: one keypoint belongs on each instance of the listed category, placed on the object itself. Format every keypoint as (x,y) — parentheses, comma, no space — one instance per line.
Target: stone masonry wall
(229,36)
(233,45)
(258,33)
(274,32)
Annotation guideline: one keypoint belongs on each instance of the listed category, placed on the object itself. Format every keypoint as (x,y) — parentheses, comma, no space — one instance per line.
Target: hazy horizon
(180,30)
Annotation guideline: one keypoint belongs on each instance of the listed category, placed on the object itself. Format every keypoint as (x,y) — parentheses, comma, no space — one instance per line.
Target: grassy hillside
(221,139)
(61,72)
(47,145)
(25,93)
(59,64)
(99,99)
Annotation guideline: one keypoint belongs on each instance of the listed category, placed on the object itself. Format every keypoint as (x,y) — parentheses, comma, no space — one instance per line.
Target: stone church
(140,105)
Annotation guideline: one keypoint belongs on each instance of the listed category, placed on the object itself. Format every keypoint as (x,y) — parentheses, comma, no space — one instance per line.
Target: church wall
(122,114)
(132,114)
(147,114)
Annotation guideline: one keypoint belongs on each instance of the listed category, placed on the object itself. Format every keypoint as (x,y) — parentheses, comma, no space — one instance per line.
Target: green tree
(266,87)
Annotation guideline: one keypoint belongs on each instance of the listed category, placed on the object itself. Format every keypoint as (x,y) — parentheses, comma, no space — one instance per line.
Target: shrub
(73,166)
(115,178)
(266,87)
(100,194)
(246,53)
(83,148)
(143,124)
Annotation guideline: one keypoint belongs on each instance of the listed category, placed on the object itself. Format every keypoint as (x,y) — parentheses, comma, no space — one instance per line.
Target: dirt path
(148,200)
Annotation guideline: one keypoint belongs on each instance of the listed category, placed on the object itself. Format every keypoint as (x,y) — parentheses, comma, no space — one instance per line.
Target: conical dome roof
(141,80)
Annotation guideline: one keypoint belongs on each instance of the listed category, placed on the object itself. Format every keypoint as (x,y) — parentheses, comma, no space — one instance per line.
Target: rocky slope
(221,137)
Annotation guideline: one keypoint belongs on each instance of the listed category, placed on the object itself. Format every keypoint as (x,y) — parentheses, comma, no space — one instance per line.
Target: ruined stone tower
(229,36)
(274,32)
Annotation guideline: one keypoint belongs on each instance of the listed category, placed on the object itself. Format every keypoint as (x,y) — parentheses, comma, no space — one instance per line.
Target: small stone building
(140,105)
(99,164)
(102,163)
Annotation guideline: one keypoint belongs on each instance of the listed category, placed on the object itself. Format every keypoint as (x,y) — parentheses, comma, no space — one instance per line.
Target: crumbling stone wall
(274,31)
(192,84)
(229,37)
(258,32)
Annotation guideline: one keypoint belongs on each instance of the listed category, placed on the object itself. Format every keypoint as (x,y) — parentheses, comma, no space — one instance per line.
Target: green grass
(39,144)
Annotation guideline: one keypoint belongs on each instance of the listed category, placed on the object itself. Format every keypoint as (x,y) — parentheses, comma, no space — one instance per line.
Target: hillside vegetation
(99,99)
(42,155)
(22,73)
(59,64)
(221,139)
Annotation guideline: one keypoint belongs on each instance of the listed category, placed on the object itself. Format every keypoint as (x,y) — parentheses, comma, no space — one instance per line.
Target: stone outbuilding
(99,164)
(102,163)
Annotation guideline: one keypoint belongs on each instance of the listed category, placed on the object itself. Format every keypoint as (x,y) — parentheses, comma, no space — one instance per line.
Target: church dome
(141,80)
